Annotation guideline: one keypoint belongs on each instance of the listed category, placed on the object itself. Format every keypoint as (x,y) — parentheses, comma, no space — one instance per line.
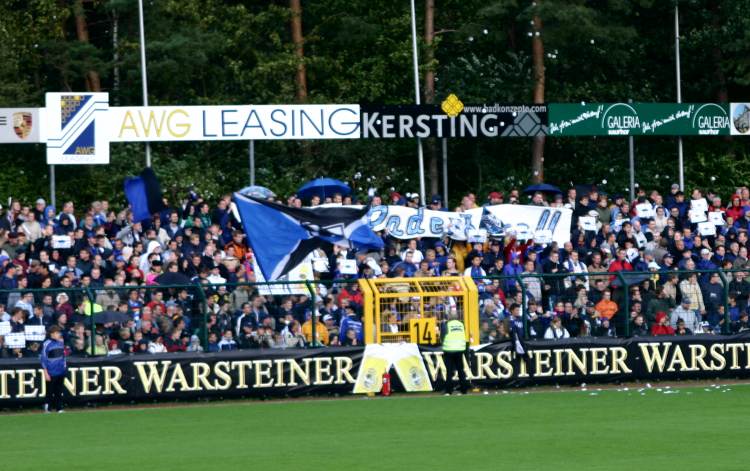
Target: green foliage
(219,52)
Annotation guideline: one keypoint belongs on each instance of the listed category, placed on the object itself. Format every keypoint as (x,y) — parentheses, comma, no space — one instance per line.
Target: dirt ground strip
(594,387)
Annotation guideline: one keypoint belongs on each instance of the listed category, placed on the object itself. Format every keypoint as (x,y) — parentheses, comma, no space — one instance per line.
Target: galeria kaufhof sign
(78,127)
(354,370)
(640,119)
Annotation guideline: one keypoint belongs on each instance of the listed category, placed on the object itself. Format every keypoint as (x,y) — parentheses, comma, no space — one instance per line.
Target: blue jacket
(53,357)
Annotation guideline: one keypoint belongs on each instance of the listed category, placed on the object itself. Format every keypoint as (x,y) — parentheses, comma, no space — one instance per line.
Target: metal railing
(86,301)
(619,283)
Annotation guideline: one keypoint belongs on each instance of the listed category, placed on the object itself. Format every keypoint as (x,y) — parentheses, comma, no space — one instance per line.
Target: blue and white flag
(281,237)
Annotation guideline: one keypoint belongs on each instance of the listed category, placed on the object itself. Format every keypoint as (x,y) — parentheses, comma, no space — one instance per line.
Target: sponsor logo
(620,119)
(452,106)
(73,137)
(23,123)
(710,119)
(740,118)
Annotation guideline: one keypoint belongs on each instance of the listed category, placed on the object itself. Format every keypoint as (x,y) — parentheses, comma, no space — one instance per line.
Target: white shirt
(555,334)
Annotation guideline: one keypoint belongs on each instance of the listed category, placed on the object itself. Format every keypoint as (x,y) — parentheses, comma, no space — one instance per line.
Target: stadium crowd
(96,261)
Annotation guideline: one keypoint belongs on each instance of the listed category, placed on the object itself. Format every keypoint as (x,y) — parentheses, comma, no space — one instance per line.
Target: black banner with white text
(282,373)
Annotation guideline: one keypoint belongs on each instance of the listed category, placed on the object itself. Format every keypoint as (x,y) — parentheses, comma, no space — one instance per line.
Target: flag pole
(144,78)
(679,88)
(415,58)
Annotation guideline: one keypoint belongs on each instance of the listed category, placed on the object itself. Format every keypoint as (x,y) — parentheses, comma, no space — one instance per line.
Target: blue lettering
(414,222)
(467,221)
(303,115)
(224,123)
(392,225)
(377,215)
(257,120)
(273,118)
(354,124)
(205,133)
(436,226)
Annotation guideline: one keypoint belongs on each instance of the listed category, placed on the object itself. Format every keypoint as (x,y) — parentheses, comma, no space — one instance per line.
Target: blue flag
(281,237)
(144,195)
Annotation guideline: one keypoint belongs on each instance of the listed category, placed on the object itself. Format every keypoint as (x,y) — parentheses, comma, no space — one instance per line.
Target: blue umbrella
(323,187)
(542,188)
(257,192)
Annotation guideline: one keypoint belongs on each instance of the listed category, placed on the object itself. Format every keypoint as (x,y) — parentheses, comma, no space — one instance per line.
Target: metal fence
(540,295)
(309,313)
(179,317)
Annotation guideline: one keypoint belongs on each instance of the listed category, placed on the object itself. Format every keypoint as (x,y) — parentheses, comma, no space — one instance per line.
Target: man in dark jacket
(740,288)
(55,368)
(713,297)
(554,287)
(639,328)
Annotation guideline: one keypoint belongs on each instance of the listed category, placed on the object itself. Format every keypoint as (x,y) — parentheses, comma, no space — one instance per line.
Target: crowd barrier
(197,302)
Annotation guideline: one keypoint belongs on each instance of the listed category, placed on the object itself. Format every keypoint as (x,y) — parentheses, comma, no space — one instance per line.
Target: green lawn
(607,430)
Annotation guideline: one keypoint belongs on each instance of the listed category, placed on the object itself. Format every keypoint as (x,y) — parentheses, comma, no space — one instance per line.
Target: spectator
(606,308)
(556,331)
(687,315)
(662,327)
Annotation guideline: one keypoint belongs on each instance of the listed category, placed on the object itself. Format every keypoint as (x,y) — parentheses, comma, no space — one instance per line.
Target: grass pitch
(676,428)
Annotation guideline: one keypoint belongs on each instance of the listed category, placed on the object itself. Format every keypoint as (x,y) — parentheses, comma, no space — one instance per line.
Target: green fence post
(313,315)
(725,281)
(204,308)
(524,307)
(626,289)
(90,295)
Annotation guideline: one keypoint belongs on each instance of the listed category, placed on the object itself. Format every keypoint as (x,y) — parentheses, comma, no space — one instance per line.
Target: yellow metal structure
(391,303)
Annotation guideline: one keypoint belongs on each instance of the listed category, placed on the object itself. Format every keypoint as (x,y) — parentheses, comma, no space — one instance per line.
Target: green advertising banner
(638,119)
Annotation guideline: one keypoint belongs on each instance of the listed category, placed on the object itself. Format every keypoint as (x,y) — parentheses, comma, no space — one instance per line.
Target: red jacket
(658,329)
(616,266)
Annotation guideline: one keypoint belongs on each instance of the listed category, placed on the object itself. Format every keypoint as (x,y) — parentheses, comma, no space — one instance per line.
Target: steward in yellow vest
(454,346)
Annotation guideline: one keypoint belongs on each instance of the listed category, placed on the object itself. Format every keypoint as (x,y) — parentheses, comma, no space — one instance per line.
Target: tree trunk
(537,51)
(299,50)
(93,83)
(429,91)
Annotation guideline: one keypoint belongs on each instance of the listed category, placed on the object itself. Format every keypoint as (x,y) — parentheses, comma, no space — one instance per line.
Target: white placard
(645,211)
(697,216)
(617,224)
(4,328)
(640,239)
(716,217)
(347,267)
(320,265)
(61,242)
(699,205)
(476,236)
(588,223)
(35,333)
(302,272)
(15,340)
(543,237)
(707,229)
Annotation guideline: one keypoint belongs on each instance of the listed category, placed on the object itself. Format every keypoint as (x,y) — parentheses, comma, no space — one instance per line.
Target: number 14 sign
(423,331)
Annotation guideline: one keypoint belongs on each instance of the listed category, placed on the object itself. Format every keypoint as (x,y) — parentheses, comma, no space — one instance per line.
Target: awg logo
(72,135)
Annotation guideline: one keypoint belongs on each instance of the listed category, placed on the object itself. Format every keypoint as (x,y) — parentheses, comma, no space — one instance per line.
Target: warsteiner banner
(281,373)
